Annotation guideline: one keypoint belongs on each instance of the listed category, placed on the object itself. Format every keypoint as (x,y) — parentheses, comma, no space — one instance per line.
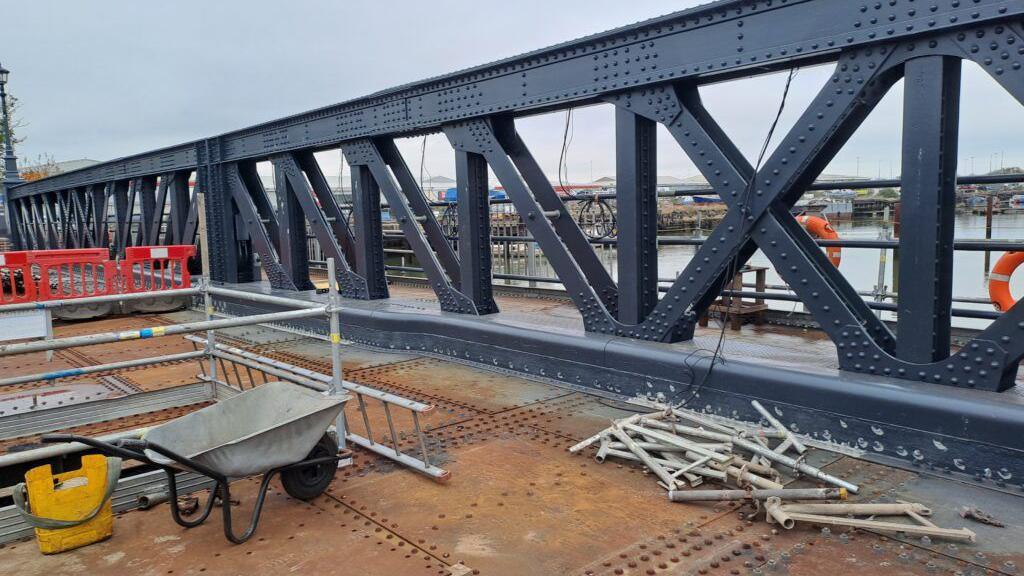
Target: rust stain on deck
(517,502)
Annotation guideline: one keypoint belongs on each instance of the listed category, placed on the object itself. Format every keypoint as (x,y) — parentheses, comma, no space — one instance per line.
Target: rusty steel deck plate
(517,503)
(518,506)
(307,350)
(321,537)
(488,392)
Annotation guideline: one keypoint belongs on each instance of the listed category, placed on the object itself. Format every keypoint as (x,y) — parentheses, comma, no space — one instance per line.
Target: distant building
(435,187)
(665,183)
(53,168)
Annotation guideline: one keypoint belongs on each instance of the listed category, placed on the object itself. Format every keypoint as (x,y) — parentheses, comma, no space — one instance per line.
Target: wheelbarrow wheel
(308,482)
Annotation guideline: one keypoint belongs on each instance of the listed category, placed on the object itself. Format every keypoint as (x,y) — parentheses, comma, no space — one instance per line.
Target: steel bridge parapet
(650,73)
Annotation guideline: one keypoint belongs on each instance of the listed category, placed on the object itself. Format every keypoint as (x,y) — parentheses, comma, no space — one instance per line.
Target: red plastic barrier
(16,284)
(151,268)
(37,275)
(75,273)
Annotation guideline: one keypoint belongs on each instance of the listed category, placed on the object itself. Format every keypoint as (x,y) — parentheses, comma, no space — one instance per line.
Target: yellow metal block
(70,496)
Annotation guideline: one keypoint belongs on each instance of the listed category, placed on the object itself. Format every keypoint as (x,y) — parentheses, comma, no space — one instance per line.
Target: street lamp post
(11,176)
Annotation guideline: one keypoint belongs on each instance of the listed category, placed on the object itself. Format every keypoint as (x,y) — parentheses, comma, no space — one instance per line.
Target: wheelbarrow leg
(225,496)
(172,499)
(261,496)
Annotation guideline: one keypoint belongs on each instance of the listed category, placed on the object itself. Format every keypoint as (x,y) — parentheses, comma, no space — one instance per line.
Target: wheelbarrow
(276,428)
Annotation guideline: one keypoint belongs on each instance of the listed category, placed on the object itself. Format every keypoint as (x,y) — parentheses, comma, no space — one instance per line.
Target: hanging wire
(450,221)
(423,159)
(423,163)
(734,263)
(563,157)
(596,217)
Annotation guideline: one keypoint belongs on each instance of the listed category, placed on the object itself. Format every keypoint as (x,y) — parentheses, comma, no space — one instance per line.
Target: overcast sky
(108,78)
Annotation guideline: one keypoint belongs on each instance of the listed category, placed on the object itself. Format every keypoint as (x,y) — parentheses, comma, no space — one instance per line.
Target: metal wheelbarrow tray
(274,428)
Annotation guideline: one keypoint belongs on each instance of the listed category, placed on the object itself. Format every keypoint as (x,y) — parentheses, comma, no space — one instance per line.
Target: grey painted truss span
(650,73)
(973,434)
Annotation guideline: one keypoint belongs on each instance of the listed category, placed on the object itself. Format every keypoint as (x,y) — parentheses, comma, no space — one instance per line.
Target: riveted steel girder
(722,39)
(651,73)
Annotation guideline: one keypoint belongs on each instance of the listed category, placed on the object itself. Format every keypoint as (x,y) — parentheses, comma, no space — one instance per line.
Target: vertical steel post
(928,199)
(636,197)
(17,226)
(100,197)
(145,191)
(180,205)
(369,240)
(473,204)
(883,255)
(291,229)
(122,215)
(333,308)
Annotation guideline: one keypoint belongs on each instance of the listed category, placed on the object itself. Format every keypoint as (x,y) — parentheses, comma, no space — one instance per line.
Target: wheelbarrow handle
(133,443)
(55,438)
(104,447)
(185,461)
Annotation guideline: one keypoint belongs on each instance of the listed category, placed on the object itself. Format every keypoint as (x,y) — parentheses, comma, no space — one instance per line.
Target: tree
(43,166)
(16,121)
(887,193)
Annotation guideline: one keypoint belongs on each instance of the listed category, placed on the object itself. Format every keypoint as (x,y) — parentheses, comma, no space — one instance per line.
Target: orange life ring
(999,280)
(820,228)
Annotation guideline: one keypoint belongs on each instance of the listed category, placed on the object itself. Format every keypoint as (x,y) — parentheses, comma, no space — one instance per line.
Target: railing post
(211,344)
(333,309)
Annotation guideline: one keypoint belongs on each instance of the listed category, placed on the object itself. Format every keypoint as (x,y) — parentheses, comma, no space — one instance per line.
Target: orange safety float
(820,228)
(999,280)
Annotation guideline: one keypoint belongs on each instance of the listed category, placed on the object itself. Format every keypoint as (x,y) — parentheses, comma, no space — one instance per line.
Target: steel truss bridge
(938,405)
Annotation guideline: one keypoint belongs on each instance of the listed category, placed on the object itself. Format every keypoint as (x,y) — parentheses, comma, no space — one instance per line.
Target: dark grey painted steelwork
(351,284)
(637,204)
(258,220)
(181,211)
(931,118)
(708,42)
(145,199)
(369,240)
(291,242)
(409,207)
(474,230)
(651,73)
(975,435)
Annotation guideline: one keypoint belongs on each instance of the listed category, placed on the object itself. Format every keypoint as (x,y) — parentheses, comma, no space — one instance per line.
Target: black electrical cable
(423,158)
(602,221)
(597,218)
(734,263)
(566,140)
